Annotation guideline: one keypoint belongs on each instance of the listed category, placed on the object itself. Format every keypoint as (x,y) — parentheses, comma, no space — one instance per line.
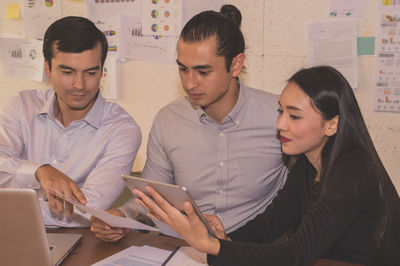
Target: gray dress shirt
(233,169)
(93,151)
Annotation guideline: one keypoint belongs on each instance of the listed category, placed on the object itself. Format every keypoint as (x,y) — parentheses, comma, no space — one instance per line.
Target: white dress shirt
(93,151)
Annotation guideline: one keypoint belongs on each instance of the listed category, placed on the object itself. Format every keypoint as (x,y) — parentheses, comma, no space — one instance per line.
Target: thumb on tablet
(191,214)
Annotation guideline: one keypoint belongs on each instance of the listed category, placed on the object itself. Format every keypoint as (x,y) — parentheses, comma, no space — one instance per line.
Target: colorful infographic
(387,86)
(162,17)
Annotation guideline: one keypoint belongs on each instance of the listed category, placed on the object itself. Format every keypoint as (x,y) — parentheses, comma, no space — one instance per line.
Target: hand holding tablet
(175,195)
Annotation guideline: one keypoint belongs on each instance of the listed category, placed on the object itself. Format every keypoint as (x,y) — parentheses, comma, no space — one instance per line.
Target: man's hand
(50,178)
(105,232)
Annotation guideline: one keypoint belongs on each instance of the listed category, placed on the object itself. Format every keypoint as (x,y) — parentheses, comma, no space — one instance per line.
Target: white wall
(276,37)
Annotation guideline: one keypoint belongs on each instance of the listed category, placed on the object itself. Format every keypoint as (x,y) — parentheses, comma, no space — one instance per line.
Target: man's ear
(237,64)
(331,126)
(47,70)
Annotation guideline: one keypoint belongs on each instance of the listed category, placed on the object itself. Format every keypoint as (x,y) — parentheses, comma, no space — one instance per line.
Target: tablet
(174,194)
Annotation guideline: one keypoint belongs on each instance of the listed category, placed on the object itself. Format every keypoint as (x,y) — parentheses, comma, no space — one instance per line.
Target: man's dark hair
(223,25)
(73,35)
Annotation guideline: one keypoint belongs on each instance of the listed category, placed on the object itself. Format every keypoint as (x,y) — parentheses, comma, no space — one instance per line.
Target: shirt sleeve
(158,166)
(323,224)
(14,171)
(104,183)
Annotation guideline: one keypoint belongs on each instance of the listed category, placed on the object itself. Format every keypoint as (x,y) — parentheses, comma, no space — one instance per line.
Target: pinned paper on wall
(22,58)
(388,6)
(102,9)
(387,64)
(107,17)
(39,15)
(335,44)
(136,46)
(12,11)
(108,83)
(162,17)
(111,28)
(347,8)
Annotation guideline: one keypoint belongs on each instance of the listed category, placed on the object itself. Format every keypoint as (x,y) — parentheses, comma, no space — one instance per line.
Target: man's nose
(79,81)
(191,80)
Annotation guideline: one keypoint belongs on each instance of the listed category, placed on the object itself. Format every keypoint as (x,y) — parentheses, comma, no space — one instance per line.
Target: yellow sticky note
(12,11)
(387,2)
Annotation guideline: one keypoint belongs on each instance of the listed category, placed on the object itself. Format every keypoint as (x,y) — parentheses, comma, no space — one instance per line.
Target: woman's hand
(216,225)
(189,226)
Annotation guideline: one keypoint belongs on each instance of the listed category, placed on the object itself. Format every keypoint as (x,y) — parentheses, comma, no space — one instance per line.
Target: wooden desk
(92,250)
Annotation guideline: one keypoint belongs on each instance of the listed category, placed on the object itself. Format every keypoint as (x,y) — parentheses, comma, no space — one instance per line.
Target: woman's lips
(284,140)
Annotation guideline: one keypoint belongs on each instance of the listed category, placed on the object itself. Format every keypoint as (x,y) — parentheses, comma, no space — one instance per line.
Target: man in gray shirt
(220,141)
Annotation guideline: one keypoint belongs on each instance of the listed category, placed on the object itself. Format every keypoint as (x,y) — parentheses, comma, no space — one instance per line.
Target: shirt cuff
(25,176)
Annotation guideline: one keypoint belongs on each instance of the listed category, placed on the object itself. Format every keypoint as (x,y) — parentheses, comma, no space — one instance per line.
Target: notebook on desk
(23,238)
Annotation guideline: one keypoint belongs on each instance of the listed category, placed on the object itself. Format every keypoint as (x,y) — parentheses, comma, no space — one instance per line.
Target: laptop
(23,238)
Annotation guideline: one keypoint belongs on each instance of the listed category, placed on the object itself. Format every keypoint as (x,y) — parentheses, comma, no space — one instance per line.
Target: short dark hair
(330,94)
(73,35)
(223,25)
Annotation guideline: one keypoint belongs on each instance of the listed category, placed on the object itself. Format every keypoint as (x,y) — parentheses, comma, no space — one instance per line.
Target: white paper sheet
(108,83)
(166,229)
(38,15)
(188,256)
(348,8)
(137,256)
(22,58)
(335,44)
(112,220)
(136,46)
(111,29)
(107,17)
(162,17)
(101,9)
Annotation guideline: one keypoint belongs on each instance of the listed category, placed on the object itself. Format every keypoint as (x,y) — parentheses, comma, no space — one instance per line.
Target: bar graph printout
(22,58)
(387,61)
(136,46)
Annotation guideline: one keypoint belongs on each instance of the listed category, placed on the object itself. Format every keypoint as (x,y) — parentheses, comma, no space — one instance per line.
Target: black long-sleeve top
(333,219)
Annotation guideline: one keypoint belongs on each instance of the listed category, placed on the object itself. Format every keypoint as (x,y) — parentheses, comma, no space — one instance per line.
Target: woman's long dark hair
(331,94)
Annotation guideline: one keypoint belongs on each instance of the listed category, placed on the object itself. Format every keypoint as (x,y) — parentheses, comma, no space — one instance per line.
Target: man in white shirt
(69,138)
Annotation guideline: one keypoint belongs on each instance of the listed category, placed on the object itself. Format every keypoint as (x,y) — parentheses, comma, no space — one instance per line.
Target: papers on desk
(187,256)
(112,220)
(138,256)
(150,256)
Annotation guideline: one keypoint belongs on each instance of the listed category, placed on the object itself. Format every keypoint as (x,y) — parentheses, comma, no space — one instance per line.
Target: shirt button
(237,122)
(55,161)
(221,163)
(220,191)
(221,134)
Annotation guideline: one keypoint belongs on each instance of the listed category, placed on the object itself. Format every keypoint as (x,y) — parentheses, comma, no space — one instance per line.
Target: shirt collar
(48,106)
(233,116)
(93,118)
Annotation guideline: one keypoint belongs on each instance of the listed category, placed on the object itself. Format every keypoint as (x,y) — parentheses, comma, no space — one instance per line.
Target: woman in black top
(338,202)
